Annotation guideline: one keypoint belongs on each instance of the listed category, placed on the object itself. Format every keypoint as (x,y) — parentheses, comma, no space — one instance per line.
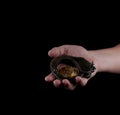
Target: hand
(72,50)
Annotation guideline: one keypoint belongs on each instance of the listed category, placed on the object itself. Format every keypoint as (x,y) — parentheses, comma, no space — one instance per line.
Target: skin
(105,60)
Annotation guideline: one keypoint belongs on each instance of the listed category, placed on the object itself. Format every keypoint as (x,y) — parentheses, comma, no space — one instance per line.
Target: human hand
(71,50)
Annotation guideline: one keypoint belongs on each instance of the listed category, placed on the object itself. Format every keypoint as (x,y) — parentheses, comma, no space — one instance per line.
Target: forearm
(107,60)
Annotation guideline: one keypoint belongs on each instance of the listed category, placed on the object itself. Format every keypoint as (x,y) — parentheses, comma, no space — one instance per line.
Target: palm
(72,50)
(78,51)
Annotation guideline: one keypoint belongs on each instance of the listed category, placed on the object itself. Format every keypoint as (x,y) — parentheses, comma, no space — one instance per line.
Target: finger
(49,78)
(81,81)
(57,83)
(57,51)
(68,85)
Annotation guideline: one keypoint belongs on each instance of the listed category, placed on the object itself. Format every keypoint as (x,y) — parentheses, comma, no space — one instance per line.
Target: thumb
(58,51)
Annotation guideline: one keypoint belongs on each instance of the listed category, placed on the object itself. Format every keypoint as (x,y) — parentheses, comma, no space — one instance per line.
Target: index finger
(49,78)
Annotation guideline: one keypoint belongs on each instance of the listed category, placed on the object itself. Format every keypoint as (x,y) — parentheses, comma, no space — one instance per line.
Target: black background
(36,32)
(103,89)
(104,85)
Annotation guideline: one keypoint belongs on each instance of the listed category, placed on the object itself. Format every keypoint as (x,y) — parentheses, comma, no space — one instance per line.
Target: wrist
(106,60)
(97,60)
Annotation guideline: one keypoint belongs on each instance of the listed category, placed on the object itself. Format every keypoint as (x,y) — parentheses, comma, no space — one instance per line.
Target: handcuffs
(68,67)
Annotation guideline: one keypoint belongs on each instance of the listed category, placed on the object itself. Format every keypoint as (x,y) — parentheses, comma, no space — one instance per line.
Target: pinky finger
(81,81)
